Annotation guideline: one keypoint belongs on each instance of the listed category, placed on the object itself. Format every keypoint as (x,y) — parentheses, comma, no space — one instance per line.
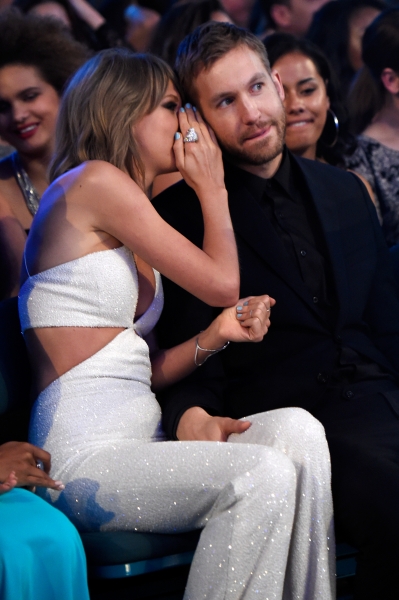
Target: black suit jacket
(291,366)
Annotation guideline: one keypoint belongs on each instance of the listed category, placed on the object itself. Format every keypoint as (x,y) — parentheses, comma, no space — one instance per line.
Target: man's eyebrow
(256,77)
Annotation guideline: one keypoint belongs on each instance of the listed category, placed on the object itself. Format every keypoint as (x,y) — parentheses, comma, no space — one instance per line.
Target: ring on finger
(191,136)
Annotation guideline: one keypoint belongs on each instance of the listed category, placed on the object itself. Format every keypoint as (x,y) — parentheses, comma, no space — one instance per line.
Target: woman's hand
(29,464)
(199,162)
(248,321)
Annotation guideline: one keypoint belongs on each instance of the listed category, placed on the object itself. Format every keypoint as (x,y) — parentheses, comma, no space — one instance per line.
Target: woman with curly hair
(33,72)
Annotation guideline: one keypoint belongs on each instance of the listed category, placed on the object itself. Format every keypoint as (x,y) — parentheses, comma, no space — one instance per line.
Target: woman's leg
(41,554)
(311,562)
(242,496)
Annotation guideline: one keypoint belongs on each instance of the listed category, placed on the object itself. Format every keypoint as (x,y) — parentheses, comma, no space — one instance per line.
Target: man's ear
(390,81)
(281,15)
(278,84)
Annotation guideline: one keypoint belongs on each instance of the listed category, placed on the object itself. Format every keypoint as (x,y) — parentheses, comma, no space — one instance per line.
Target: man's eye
(226,102)
(257,87)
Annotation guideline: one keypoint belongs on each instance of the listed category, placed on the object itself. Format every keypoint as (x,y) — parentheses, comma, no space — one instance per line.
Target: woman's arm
(119,207)
(247,322)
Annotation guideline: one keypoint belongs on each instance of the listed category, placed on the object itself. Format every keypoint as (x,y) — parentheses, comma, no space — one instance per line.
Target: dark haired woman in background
(317,122)
(337,29)
(374,108)
(179,21)
(33,71)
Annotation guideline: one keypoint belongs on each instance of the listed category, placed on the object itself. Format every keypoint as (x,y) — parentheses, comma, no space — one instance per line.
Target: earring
(333,126)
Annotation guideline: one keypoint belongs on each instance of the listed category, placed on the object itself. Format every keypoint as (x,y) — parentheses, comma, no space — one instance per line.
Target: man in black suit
(308,235)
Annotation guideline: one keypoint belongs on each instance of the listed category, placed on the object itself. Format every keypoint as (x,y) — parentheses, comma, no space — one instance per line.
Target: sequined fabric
(263,500)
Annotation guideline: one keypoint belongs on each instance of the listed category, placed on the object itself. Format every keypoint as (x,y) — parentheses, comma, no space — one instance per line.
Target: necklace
(29,192)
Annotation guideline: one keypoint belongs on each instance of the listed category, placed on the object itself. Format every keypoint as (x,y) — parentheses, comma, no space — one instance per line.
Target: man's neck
(266,170)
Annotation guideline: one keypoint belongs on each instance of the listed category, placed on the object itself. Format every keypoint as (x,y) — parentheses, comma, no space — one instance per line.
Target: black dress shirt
(285,200)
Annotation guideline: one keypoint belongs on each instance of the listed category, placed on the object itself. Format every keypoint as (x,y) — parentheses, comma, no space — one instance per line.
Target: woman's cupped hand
(199,162)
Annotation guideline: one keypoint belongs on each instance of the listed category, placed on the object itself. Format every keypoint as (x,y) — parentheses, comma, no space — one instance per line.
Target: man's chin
(255,157)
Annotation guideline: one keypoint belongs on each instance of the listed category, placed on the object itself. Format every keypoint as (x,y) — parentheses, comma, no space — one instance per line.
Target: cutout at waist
(54,351)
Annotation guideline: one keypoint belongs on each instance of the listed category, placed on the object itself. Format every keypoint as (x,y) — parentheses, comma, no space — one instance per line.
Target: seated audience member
(179,21)
(33,71)
(86,24)
(308,234)
(317,122)
(374,107)
(338,28)
(291,16)
(41,554)
(89,298)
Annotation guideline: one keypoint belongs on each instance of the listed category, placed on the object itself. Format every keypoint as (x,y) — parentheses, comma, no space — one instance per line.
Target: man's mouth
(258,134)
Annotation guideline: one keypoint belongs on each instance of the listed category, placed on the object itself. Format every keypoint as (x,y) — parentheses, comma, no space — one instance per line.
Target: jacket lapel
(250,222)
(325,204)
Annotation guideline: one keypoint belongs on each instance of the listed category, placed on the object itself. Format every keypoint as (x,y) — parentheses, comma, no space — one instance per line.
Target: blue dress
(41,554)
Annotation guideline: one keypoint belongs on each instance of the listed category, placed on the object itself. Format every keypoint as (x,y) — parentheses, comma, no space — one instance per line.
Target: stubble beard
(260,153)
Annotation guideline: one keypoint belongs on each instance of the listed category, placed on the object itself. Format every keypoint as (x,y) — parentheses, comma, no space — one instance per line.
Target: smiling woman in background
(33,72)
(316,119)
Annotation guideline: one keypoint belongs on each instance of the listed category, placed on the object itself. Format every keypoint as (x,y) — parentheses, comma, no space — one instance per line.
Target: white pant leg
(243,496)
(311,562)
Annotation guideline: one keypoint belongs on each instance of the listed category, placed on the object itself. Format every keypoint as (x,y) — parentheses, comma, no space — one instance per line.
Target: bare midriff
(54,351)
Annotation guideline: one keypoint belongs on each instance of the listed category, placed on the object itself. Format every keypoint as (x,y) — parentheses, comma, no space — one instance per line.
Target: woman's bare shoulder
(97,178)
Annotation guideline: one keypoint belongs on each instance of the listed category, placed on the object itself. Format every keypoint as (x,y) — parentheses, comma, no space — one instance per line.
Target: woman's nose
(293,104)
(19,112)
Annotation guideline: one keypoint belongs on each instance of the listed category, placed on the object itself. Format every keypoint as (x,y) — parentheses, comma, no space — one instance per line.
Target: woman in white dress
(90,295)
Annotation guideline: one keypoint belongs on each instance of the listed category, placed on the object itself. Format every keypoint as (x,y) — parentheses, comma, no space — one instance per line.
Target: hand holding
(23,459)
(248,321)
(197,425)
(199,162)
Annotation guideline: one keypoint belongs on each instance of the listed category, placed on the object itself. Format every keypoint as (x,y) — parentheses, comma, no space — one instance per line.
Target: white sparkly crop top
(96,290)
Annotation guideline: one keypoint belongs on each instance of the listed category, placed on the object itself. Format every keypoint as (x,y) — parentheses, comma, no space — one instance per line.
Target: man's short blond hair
(207,44)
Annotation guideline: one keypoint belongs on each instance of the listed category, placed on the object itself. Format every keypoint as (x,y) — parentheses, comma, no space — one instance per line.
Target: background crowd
(338,61)
(341,86)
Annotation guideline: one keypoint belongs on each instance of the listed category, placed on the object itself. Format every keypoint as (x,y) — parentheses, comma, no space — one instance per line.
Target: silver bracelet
(211,352)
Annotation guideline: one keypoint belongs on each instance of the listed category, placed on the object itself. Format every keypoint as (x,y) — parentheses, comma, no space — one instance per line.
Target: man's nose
(250,110)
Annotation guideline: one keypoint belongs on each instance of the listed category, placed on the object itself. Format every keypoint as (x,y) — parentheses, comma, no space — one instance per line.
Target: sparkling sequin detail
(263,500)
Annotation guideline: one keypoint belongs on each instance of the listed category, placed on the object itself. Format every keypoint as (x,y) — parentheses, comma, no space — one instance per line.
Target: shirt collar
(259,185)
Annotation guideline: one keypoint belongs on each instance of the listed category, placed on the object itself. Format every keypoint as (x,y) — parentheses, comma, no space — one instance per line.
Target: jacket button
(322,378)
(315,299)
(349,394)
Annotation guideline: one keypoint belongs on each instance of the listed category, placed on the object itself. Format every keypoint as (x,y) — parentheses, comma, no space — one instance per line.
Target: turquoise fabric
(41,554)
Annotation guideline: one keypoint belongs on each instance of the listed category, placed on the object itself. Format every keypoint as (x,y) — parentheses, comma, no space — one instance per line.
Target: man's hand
(197,425)
(22,459)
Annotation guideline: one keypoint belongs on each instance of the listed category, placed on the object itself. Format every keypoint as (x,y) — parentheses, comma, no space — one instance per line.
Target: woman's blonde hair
(104,99)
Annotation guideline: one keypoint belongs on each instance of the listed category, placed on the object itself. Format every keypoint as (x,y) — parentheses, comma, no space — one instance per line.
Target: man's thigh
(363,438)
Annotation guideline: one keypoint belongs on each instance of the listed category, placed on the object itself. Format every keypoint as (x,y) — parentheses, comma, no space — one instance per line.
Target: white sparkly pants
(263,499)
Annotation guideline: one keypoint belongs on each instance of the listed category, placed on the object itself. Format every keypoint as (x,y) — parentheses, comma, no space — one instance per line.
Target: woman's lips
(300,123)
(27,131)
